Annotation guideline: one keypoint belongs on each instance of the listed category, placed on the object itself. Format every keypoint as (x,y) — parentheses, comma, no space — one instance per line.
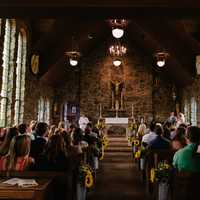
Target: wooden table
(34,193)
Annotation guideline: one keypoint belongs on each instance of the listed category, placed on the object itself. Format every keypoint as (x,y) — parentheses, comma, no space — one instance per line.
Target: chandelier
(117,51)
(161,58)
(118,26)
(73,55)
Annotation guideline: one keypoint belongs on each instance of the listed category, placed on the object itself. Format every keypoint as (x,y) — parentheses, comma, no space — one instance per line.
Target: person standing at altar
(83,121)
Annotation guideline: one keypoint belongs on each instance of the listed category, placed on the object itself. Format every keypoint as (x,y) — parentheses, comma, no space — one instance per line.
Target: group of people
(41,147)
(175,135)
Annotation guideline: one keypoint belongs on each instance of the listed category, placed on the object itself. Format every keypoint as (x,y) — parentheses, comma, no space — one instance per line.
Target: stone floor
(118,177)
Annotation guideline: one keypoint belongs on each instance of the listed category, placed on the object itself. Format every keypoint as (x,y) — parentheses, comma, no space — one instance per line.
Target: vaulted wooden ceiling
(155,25)
(179,37)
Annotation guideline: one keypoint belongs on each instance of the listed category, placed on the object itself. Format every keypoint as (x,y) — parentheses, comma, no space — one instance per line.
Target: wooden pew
(153,157)
(185,186)
(52,185)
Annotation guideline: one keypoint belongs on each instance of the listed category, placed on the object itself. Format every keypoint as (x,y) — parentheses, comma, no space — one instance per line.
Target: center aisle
(118,177)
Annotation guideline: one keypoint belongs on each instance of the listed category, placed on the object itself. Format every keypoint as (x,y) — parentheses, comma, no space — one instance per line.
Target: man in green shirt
(187,159)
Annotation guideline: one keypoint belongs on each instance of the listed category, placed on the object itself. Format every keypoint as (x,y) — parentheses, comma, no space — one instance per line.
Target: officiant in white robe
(83,121)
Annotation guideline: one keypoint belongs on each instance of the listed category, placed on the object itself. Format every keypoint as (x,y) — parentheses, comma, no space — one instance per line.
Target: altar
(118,122)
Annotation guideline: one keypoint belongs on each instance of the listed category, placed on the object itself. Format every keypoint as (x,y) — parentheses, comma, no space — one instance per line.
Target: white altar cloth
(116,120)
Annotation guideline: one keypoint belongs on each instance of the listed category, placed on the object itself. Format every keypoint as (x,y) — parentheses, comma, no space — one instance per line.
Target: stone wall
(163,102)
(98,71)
(34,90)
(94,87)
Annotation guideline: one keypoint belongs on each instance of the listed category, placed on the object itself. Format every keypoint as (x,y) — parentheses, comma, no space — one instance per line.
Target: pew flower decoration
(86,177)
(152,175)
(104,141)
(138,154)
(136,142)
(102,154)
(163,172)
(132,127)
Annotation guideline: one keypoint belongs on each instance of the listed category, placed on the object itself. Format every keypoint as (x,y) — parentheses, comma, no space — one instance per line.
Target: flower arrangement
(137,154)
(104,141)
(132,127)
(136,142)
(86,177)
(102,154)
(163,172)
(100,125)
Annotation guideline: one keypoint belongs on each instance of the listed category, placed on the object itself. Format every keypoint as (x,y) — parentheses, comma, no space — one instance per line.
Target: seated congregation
(168,158)
(40,148)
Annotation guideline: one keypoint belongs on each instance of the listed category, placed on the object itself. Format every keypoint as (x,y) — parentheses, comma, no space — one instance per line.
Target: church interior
(102,107)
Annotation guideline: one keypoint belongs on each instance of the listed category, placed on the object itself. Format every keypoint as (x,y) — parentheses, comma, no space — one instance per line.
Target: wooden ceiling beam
(104,8)
(61,67)
(149,45)
(170,41)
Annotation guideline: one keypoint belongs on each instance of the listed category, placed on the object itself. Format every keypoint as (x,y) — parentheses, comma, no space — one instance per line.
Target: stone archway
(116,130)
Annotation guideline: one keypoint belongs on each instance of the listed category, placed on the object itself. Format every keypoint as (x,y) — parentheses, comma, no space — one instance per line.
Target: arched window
(47,111)
(187,111)
(193,111)
(20,77)
(43,110)
(8,71)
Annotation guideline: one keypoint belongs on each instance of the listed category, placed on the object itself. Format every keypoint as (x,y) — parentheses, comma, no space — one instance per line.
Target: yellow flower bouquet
(132,127)
(163,172)
(85,176)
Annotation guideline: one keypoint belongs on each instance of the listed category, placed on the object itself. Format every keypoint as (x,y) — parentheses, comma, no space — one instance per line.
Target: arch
(20,76)
(8,71)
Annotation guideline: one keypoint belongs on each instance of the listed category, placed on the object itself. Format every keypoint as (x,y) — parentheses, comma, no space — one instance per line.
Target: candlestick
(100,110)
(132,111)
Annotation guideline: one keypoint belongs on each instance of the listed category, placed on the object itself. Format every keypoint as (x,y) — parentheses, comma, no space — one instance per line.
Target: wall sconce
(161,58)
(118,26)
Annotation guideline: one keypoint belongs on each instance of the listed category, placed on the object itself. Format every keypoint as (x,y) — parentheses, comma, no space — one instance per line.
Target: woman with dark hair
(11,133)
(55,157)
(187,159)
(18,158)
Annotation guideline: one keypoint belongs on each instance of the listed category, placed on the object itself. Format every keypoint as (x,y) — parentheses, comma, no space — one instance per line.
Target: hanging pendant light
(73,62)
(161,58)
(73,55)
(117,32)
(117,62)
(118,27)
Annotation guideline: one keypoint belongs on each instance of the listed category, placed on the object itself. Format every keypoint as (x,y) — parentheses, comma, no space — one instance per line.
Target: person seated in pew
(39,143)
(54,157)
(159,142)
(23,129)
(187,158)
(18,158)
(11,133)
(179,140)
(147,138)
